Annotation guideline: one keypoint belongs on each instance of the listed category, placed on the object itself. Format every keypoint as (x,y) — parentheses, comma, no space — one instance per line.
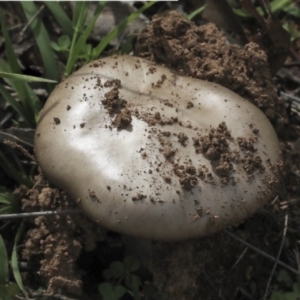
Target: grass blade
(8,203)
(25,77)
(30,102)
(99,49)
(80,14)
(11,171)
(14,261)
(14,104)
(3,263)
(276,6)
(5,195)
(75,50)
(61,17)
(195,12)
(14,67)
(42,39)
(10,53)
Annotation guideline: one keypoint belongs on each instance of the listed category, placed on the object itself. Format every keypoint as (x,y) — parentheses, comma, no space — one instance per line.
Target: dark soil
(56,242)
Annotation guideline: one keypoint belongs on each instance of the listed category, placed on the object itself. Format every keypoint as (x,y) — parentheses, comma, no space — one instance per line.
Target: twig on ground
(261,252)
(277,258)
(297,256)
(290,97)
(239,259)
(244,293)
(31,20)
(287,74)
(292,64)
(40,213)
(212,285)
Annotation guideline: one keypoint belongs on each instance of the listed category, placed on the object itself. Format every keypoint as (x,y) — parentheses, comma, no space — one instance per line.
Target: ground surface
(70,252)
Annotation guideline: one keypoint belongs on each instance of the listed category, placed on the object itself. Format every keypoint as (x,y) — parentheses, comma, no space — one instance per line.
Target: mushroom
(152,154)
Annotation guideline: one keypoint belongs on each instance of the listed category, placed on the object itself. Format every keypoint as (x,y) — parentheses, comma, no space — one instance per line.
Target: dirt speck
(56,121)
(122,119)
(182,138)
(189,105)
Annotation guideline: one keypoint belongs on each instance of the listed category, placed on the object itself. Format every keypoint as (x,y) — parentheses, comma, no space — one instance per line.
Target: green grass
(71,50)
(42,40)
(276,6)
(8,203)
(99,49)
(74,43)
(80,35)
(29,104)
(14,261)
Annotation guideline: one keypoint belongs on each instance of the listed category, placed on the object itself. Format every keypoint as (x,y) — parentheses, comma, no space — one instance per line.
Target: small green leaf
(108,292)
(290,296)
(135,286)
(132,282)
(285,278)
(276,296)
(105,289)
(292,29)
(195,12)
(296,287)
(64,42)
(135,280)
(293,10)
(119,291)
(131,264)
(117,269)
(55,46)
(279,5)
(107,274)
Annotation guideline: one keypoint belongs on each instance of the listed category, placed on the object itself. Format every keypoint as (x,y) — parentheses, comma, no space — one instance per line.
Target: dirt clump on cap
(203,52)
(115,105)
(54,243)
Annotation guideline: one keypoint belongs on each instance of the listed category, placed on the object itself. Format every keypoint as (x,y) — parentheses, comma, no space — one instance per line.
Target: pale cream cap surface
(155,155)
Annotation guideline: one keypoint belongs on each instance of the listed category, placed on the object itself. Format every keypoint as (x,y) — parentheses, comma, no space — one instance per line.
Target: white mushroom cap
(152,154)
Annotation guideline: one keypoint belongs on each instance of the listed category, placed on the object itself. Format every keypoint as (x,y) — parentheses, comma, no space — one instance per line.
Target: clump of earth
(203,268)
